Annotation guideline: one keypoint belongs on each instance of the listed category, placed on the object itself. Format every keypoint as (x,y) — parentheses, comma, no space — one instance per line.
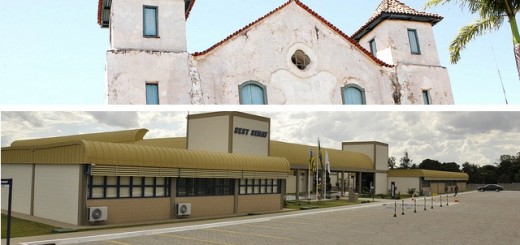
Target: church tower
(402,36)
(147,51)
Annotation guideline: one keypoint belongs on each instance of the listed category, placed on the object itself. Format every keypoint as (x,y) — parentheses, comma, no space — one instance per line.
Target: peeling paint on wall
(197,96)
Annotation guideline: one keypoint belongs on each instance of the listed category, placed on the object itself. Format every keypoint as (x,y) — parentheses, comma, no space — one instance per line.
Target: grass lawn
(23,228)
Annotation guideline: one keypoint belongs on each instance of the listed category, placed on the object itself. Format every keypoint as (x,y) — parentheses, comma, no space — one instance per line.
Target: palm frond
(470,32)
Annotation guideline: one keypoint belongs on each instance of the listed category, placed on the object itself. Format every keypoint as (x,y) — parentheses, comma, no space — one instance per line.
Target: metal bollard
(424,203)
(447,200)
(402,206)
(395,209)
(432,201)
(440,198)
(415,205)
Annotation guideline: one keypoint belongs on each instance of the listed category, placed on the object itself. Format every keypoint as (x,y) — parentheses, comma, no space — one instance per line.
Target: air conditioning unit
(183,209)
(97,214)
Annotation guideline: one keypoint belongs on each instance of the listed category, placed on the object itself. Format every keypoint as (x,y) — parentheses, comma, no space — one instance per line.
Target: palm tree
(492,15)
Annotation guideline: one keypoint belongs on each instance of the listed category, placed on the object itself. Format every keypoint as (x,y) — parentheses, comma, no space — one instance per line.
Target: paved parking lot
(479,218)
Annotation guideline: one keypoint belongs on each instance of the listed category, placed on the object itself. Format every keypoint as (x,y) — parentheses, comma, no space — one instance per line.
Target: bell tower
(402,36)
(147,58)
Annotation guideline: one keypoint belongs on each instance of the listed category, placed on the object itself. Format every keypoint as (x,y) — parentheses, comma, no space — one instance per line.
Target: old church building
(290,56)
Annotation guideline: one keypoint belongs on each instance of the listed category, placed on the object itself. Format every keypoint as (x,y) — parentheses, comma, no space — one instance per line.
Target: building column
(342,184)
(360,187)
(297,172)
(237,192)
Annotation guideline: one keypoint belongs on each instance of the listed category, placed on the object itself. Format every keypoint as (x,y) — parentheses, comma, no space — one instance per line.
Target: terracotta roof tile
(310,11)
(387,8)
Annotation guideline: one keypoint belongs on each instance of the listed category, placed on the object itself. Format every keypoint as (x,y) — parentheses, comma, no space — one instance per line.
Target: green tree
(430,164)
(492,14)
(406,162)
(391,162)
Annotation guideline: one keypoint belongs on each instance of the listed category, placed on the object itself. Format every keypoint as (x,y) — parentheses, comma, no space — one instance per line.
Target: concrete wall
(128,210)
(404,183)
(249,144)
(56,192)
(126,26)
(22,187)
(209,134)
(209,206)
(381,184)
(259,203)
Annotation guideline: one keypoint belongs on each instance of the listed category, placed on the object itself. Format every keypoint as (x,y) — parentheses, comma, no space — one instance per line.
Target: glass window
(426,97)
(205,187)
(252,93)
(373,48)
(353,95)
(150,21)
(101,187)
(414,41)
(258,186)
(152,94)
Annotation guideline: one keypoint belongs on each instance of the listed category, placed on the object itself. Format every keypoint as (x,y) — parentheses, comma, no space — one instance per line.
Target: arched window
(353,95)
(252,93)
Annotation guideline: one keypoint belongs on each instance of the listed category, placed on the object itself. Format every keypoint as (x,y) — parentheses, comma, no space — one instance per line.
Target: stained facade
(290,56)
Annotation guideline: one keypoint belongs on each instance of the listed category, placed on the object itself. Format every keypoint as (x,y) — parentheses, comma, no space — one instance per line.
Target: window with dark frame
(426,97)
(259,186)
(205,187)
(152,93)
(150,21)
(111,187)
(414,41)
(373,47)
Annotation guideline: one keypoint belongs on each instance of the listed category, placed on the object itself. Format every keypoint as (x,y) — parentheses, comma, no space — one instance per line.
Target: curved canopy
(298,156)
(428,174)
(124,136)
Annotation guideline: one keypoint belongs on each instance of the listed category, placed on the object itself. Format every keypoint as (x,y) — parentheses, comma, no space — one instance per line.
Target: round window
(300,59)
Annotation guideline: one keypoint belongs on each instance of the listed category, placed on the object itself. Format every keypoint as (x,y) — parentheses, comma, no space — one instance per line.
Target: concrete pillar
(297,184)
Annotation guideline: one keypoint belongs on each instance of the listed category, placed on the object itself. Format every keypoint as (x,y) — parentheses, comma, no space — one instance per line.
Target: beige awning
(428,174)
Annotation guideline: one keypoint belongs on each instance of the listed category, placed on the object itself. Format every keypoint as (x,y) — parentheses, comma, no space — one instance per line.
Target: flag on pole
(319,154)
(312,161)
(327,163)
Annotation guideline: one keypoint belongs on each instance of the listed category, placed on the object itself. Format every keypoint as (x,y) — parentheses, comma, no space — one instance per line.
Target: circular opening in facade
(300,59)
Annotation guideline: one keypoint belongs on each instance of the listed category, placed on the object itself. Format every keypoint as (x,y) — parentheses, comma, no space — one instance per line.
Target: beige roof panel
(124,136)
(428,174)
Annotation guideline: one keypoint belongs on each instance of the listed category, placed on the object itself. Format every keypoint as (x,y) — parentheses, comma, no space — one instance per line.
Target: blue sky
(55,53)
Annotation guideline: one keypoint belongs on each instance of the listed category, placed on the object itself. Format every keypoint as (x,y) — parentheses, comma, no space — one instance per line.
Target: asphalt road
(478,218)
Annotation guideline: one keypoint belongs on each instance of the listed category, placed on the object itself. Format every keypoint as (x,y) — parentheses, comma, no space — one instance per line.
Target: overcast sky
(476,137)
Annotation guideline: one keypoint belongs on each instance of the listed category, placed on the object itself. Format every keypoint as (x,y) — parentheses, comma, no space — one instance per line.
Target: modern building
(429,181)
(226,165)
(291,55)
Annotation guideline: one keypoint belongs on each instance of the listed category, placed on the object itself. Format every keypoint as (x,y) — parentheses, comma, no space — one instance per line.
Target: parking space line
(269,227)
(250,234)
(118,242)
(195,239)
(298,223)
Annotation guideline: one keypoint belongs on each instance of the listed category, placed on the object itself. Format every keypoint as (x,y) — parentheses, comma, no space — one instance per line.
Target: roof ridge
(310,11)
(386,9)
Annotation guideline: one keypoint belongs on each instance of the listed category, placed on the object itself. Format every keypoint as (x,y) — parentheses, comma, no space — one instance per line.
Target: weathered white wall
(264,52)
(22,187)
(209,134)
(415,73)
(248,144)
(56,192)
(126,25)
(393,45)
(128,72)
(414,79)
